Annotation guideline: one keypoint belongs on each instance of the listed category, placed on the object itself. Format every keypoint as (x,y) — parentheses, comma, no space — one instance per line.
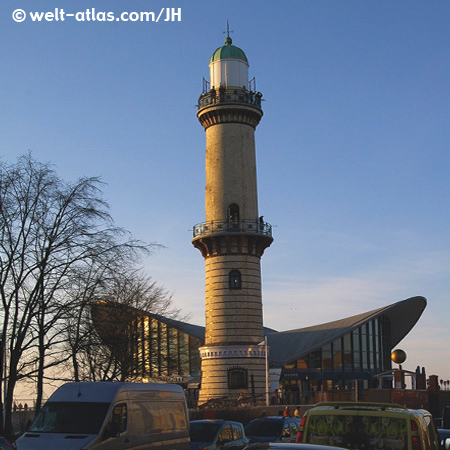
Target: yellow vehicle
(368,426)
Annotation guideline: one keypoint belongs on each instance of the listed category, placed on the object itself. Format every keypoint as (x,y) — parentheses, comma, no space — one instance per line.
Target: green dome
(228,51)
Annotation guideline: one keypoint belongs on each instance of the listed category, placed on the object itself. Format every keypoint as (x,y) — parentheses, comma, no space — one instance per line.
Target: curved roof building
(329,354)
(397,319)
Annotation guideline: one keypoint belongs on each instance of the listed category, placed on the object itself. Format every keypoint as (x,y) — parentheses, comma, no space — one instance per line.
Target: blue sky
(353,149)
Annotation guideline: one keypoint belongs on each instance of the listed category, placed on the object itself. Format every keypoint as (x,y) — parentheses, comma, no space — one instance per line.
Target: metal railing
(206,85)
(241,226)
(223,95)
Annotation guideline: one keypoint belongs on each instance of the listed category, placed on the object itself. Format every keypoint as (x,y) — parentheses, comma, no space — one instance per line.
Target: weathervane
(228,31)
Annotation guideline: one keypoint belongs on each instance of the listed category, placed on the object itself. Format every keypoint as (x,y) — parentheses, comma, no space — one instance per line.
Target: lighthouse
(234,235)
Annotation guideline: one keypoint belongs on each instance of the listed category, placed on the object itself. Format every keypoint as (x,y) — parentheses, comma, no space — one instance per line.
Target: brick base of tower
(218,381)
(233,358)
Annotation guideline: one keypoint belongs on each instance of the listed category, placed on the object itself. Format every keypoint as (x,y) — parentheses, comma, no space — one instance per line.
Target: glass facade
(160,351)
(358,355)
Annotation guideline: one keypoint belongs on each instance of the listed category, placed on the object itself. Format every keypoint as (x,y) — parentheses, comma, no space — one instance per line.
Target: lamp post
(399,357)
(267,371)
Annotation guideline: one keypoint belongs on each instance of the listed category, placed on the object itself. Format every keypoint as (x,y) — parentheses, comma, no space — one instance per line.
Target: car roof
(218,421)
(365,407)
(289,446)
(276,418)
(89,391)
(359,406)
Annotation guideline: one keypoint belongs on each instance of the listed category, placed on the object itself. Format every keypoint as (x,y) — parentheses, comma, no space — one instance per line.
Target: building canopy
(287,346)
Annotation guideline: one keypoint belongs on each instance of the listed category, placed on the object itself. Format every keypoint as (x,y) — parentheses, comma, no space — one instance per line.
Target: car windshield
(203,431)
(351,431)
(70,418)
(264,428)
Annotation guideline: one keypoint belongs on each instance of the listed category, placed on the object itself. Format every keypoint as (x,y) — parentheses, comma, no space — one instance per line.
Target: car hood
(53,441)
(255,439)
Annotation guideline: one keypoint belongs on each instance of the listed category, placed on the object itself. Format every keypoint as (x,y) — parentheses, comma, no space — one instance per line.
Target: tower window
(237,378)
(233,217)
(235,279)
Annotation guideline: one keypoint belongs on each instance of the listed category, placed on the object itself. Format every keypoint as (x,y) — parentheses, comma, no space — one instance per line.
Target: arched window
(237,378)
(235,279)
(233,217)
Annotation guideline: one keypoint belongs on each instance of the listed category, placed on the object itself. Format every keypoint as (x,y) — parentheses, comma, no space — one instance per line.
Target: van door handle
(126,440)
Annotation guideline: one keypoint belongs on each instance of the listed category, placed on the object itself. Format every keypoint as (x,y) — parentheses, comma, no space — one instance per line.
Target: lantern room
(228,67)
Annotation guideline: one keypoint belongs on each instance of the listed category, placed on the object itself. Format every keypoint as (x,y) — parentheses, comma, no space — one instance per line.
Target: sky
(353,151)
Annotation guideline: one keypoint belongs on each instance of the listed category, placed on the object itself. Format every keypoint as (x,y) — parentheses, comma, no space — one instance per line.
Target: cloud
(294,301)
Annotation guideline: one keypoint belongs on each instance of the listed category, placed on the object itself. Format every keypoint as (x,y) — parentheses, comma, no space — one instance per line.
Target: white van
(112,416)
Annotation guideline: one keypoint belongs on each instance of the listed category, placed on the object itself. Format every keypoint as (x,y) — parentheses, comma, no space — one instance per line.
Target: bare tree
(50,231)
(102,336)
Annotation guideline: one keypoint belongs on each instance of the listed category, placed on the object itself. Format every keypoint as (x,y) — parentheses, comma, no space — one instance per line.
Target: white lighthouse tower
(234,235)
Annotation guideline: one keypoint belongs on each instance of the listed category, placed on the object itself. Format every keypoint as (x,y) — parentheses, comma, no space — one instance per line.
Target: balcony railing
(242,226)
(223,95)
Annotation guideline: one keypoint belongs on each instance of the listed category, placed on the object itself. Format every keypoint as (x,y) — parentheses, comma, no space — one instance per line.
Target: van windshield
(350,431)
(70,418)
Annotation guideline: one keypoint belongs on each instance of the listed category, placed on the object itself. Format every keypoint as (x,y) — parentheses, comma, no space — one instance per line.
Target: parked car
(446,418)
(273,429)
(217,434)
(288,446)
(369,425)
(5,444)
(443,436)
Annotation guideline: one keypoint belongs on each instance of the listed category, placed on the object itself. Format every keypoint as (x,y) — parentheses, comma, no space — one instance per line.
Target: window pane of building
(164,348)
(302,364)
(326,358)
(315,360)
(337,354)
(184,354)
(370,345)
(364,348)
(356,350)
(147,349)
(377,345)
(347,352)
(194,356)
(155,355)
(173,362)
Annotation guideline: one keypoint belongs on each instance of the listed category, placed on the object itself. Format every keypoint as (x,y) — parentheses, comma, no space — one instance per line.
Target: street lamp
(398,356)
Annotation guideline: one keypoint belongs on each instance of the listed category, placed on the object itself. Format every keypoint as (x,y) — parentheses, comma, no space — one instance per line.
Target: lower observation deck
(248,237)
(240,227)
